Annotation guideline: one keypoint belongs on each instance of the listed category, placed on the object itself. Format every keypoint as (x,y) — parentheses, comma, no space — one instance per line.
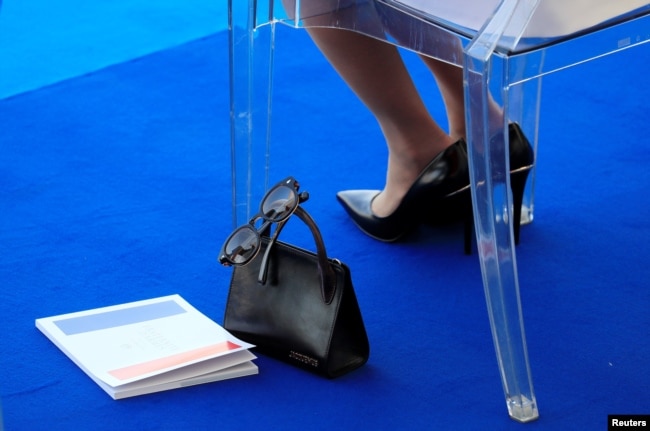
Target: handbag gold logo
(304,359)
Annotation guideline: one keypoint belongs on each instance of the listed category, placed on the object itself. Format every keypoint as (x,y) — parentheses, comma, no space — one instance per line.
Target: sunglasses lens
(242,245)
(279,203)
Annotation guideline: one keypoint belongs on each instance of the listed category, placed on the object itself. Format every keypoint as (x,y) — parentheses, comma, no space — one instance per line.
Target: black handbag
(298,306)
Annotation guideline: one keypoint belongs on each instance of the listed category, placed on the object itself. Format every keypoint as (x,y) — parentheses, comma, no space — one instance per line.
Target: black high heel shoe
(441,194)
(446,173)
(522,158)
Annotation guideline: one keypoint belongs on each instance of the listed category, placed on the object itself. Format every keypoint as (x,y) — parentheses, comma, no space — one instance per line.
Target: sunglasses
(277,205)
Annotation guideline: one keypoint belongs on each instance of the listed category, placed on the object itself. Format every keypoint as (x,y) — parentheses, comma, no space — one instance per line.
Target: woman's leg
(449,78)
(450,83)
(374,70)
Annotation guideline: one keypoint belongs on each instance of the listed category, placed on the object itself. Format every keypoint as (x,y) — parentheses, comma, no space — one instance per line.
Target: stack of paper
(149,346)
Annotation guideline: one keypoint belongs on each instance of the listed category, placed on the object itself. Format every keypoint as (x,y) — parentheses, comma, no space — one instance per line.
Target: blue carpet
(115,187)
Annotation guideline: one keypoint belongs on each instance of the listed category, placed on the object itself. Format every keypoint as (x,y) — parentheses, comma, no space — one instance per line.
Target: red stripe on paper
(171,361)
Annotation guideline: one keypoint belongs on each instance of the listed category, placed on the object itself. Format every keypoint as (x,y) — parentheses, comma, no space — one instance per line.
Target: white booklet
(148,346)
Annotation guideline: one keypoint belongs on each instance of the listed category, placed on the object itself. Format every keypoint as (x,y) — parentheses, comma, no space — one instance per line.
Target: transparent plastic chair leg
(251,66)
(523,105)
(492,202)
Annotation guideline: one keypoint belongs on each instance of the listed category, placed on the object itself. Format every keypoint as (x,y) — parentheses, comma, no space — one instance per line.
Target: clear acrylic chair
(505,48)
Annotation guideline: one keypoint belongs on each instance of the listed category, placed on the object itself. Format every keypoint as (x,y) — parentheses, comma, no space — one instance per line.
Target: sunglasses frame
(289,183)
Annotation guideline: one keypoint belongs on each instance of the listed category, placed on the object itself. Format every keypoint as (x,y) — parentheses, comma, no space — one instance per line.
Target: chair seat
(552,20)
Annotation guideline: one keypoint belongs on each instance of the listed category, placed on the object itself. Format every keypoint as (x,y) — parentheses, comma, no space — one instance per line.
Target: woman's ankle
(404,168)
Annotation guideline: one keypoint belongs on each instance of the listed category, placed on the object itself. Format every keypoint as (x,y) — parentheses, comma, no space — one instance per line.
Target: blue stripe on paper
(125,316)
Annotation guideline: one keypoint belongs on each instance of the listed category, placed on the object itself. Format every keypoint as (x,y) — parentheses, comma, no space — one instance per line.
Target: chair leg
(251,61)
(493,217)
(524,102)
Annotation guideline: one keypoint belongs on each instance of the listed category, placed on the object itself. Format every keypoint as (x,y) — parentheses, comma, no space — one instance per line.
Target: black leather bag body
(299,307)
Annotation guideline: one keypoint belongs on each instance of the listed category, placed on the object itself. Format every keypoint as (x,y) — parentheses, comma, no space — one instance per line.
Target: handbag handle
(327,275)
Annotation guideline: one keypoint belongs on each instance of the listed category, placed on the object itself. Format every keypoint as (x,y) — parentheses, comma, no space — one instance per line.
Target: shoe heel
(453,209)
(518,185)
